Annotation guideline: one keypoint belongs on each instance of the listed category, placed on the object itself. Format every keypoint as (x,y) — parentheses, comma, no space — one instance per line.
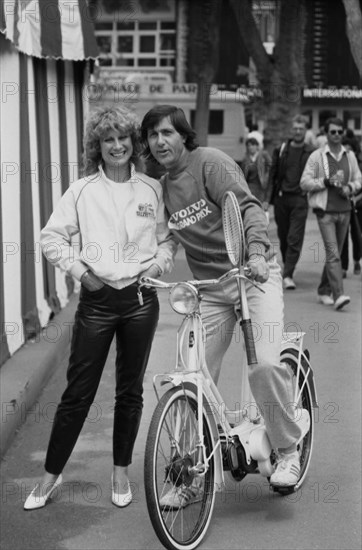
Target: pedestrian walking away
(290,202)
(195,182)
(112,206)
(331,177)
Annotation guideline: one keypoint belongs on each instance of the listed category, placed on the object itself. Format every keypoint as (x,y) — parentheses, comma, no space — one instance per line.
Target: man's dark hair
(252,141)
(178,120)
(333,120)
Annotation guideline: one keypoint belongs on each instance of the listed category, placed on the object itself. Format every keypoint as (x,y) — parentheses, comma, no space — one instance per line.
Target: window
(216,121)
(147,44)
(137,43)
(125,44)
(104,44)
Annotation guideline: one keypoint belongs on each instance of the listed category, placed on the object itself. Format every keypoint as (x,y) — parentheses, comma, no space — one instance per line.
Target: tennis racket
(235,247)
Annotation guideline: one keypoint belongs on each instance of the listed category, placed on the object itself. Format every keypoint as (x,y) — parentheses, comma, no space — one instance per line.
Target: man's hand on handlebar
(259,268)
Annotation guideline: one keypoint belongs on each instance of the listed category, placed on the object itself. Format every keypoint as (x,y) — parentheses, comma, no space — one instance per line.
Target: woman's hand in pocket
(90,281)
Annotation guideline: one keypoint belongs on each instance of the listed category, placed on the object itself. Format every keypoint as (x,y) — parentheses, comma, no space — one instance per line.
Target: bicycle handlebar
(156,283)
(233,273)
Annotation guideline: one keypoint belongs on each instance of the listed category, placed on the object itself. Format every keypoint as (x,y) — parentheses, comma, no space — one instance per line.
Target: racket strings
(232,236)
(233,229)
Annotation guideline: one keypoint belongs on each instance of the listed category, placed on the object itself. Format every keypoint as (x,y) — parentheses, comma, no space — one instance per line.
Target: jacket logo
(146,210)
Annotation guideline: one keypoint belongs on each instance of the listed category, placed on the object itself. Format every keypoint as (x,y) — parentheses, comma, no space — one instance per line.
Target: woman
(119,216)
(256,165)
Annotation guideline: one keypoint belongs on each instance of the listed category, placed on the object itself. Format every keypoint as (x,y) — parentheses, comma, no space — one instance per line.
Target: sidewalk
(24,375)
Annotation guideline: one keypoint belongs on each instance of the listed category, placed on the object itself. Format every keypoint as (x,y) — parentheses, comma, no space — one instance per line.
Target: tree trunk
(280,76)
(203,55)
(354,31)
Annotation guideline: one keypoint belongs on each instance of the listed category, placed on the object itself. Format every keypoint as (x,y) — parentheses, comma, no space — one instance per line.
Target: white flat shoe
(121,499)
(33,502)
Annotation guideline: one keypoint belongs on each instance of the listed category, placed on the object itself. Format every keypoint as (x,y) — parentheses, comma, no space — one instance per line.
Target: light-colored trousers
(270,380)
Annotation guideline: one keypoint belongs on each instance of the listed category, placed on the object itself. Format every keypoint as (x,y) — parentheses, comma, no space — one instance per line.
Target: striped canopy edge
(50,29)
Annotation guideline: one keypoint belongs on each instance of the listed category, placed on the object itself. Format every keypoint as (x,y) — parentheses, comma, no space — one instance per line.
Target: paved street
(324,514)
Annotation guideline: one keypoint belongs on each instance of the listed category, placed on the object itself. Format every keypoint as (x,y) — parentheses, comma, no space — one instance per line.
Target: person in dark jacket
(290,202)
(255,166)
(350,142)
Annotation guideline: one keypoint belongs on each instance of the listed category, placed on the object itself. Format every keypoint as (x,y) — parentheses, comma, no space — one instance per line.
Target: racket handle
(249,341)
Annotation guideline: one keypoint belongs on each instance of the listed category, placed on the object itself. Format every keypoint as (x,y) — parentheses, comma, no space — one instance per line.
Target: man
(194,184)
(290,202)
(331,176)
(255,166)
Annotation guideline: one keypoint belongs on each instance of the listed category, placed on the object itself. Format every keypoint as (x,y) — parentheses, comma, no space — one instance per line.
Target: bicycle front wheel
(180,500)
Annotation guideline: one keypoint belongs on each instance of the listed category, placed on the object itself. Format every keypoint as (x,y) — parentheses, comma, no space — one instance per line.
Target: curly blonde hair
(99,123)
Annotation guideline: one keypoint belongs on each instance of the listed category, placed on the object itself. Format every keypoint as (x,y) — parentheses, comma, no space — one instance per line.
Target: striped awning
(53,29)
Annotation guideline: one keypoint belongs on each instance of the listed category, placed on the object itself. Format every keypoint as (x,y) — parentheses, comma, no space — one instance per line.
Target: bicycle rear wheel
(180,503)
(305,401)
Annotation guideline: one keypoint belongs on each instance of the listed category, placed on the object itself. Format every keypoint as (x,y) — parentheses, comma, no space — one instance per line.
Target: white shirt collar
(337,157)
(103,175)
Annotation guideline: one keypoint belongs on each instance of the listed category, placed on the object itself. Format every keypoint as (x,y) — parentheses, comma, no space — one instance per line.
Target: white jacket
(317,169)
(118,240)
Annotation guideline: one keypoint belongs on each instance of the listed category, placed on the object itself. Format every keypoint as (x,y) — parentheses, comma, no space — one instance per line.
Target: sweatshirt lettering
(189,215)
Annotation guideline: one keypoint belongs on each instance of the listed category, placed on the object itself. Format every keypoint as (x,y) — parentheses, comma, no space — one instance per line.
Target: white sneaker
(180,497)
(289,284)
(287,471)
(341,302)
(325,300)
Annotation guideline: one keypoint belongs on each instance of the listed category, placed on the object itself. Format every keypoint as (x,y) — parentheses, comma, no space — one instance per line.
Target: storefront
(226,120)
(319,104)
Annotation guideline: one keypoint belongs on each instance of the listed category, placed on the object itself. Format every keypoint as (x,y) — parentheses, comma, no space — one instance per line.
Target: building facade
(148,40)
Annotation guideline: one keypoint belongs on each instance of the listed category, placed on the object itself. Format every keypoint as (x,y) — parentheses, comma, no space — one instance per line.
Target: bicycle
(191,441)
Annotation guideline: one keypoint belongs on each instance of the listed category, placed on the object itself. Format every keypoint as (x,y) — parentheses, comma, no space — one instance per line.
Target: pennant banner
(57,29)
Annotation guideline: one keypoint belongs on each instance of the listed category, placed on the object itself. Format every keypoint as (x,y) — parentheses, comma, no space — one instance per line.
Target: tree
(354,32)
(203,56)
(280,76)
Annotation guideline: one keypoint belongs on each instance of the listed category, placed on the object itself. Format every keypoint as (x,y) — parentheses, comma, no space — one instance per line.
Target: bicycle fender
(305,366)
(311,382)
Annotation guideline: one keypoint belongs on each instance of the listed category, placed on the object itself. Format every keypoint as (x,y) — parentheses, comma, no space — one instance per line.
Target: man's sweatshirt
(193,200)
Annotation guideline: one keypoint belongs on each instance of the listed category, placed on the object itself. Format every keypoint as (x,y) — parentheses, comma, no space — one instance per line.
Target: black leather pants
(101,315)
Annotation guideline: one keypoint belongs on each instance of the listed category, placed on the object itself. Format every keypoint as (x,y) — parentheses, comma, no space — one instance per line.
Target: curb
(24,375)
